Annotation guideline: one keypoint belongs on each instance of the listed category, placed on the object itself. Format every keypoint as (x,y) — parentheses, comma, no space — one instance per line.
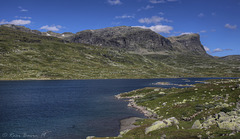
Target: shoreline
(128,123)
(58,79)
(148,113)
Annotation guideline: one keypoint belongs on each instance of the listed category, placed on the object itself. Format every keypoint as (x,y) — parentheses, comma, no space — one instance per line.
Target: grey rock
(163,136)
(197,125)
(162,124)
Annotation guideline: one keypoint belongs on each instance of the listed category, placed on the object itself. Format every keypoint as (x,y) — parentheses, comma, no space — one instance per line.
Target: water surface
(68,108)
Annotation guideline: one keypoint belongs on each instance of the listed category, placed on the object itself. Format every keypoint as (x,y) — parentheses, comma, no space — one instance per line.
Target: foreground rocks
(229,120)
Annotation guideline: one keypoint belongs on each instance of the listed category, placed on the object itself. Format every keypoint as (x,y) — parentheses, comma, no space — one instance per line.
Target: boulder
(197,125)
(228,125)
(90,137)
(232,113)
(123,132)
(209,122)
(155,126)
(162,124)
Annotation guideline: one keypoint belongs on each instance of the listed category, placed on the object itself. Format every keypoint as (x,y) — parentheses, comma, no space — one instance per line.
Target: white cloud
(22,9)
(157,1)
(203,31)
(146,8)
(114,2)
(231,26)
(3,22)
(153,19)
(161,13)
(161,1)
(23,17)
(213,30)
(16,22)
(220,50)
(186,33)
(217,50)
(158,28)
(206,48)
(51,28)
(201,15)
(124,16)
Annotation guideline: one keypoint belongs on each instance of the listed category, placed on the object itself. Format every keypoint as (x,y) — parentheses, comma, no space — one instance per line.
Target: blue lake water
(68,108)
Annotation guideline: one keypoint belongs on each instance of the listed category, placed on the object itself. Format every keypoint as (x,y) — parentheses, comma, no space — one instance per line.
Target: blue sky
(217,21)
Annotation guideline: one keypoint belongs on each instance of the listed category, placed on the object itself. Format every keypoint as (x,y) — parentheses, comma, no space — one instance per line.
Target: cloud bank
(231,26)
(114,2)
(153,19)
(16,22)
(161,1)
(51,28)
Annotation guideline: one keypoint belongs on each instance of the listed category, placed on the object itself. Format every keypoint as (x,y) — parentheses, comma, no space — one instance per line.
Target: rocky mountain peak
(139,40)
(132,39)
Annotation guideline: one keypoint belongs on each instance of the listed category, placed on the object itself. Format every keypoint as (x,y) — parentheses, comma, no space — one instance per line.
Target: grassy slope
(29,56)
(203,97)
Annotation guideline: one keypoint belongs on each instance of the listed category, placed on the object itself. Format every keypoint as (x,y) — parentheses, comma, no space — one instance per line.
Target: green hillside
(31,56)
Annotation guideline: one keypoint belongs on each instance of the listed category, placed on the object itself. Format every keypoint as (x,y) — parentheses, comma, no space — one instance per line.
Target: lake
(69,108)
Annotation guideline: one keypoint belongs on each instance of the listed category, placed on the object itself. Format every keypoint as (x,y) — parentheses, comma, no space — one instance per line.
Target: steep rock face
(129,38)
(189,43)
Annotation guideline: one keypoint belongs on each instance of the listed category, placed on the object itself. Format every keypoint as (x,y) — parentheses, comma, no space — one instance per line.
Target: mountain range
(113,52)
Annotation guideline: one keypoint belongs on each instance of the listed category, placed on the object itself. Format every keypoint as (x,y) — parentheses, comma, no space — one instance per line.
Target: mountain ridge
(133,39)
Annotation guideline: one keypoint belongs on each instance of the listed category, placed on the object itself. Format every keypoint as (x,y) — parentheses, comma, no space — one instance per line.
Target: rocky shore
(209,110)
(146,111)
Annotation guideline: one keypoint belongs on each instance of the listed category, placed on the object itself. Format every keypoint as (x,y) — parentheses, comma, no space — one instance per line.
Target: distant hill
(231,57)
(31,54)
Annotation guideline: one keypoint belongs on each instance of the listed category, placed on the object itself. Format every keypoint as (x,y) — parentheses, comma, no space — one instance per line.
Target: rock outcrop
(129,38)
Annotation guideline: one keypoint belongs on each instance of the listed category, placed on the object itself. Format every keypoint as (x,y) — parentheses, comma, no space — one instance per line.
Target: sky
(217,21)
